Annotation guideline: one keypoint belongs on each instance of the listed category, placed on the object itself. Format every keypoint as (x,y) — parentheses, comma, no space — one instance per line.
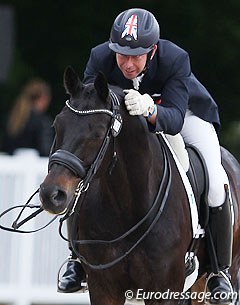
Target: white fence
(29,262)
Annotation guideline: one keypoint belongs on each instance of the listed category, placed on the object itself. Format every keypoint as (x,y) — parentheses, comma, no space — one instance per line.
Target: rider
(159,85)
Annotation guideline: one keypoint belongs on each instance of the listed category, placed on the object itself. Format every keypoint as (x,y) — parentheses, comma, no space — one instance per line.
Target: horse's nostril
(53,198)
(58,196)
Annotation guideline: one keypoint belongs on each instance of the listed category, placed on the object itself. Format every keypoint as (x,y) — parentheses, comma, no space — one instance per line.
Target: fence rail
(29,262)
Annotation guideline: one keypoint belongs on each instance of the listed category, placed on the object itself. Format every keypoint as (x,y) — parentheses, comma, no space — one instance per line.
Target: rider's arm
(174,99)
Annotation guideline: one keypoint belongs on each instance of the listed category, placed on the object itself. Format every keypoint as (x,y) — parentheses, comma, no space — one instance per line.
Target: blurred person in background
(28,125)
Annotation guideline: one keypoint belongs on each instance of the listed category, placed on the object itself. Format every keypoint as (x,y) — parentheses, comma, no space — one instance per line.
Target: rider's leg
(71,281)
(221,232)
(178,146)
(202,135)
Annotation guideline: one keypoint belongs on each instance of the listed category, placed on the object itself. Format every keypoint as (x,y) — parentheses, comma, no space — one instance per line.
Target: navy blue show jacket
(168,74)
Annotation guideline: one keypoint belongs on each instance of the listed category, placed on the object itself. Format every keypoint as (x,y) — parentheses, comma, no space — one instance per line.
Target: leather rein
(74,164)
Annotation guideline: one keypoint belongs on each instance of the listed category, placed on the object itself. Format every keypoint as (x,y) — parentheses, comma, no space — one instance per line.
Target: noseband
(76,165)
(69,160)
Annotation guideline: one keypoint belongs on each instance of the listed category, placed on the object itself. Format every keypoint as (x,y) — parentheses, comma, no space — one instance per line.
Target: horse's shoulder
(229,161)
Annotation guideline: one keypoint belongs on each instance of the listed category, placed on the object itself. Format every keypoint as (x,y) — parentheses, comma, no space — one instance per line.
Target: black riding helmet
(134,32)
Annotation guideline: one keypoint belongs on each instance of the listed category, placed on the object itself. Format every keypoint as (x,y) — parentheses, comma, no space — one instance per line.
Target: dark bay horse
(131,213)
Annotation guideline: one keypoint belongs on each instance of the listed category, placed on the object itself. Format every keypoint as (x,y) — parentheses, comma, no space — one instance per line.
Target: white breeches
(202,135)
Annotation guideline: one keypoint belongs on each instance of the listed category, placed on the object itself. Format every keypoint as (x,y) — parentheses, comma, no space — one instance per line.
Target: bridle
(76,165)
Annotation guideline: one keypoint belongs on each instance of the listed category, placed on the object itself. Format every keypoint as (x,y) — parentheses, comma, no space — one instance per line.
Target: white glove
(138,104)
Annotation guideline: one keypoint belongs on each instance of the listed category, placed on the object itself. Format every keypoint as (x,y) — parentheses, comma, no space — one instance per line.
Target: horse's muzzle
(54,195)
(53,198)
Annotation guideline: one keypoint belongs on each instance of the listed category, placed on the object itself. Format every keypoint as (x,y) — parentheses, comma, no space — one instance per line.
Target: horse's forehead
(87,94)
(86,100)
(88,89)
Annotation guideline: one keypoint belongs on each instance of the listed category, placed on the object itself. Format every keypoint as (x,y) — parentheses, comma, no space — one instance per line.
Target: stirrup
(218,274)
(70,258)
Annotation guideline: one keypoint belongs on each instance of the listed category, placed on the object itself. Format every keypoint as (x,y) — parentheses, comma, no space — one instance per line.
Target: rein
(84,184)
(17,224)
(163,189)
(74,164)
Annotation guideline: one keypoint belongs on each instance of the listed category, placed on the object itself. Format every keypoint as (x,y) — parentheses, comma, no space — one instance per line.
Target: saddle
(192,167)
(198,178)
(195,180)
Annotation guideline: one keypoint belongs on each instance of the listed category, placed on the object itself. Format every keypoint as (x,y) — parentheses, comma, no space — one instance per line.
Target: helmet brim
(126,50)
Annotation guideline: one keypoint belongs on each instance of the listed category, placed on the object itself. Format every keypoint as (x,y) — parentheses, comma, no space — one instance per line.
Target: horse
(123,193)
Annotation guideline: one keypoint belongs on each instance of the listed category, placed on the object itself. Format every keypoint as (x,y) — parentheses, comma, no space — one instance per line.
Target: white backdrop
(29,263)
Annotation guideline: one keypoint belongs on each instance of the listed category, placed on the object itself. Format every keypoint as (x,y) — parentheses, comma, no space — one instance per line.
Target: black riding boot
(220,224)
(74,277)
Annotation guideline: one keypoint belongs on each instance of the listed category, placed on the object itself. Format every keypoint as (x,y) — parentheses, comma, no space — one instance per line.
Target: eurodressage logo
(203,296)
(130,28)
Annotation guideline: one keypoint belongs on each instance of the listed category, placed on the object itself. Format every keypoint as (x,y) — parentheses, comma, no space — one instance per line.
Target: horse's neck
(137,144)
(136,176)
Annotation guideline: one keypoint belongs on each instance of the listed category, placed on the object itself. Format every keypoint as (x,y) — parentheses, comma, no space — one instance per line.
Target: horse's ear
(101,86)
(72,83)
